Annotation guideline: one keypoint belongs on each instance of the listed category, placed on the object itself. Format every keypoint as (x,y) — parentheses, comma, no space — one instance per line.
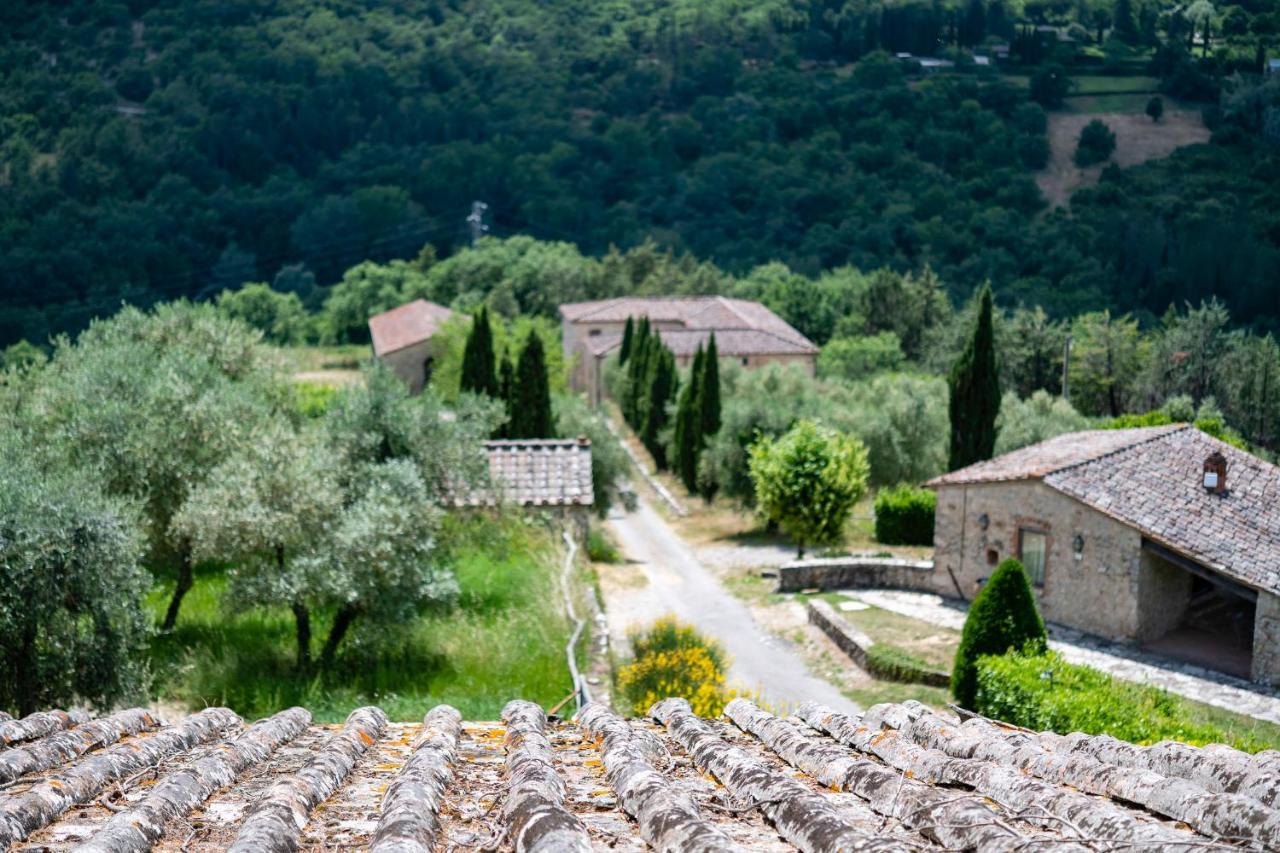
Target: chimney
(1215,473)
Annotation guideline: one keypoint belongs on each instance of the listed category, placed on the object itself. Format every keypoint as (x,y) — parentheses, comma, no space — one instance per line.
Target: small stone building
(746,332)
(1161,536)
(549,475)
(402,339)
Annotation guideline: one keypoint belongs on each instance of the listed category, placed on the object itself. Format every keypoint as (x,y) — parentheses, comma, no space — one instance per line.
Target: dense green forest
(153,150)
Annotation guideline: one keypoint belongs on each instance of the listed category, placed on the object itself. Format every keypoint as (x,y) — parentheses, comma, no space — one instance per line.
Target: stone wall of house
(1266,639)
(1096,591)
(410,364)
(1163,592)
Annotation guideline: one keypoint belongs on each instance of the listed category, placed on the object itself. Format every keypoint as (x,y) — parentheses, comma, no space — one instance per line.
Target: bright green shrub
(904,516)
(1043,692)
(600,549)
(1003,616)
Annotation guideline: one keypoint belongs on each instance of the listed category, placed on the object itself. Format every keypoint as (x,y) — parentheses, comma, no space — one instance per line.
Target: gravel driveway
(676,582)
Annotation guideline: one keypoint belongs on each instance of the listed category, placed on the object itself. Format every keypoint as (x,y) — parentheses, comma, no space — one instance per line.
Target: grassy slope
(505,639)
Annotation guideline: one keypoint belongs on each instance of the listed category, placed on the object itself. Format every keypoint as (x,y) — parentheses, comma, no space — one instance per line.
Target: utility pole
(1066,360)
(475,221)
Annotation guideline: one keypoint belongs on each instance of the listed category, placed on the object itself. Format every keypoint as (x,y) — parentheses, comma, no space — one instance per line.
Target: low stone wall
(858,573)
(858,645)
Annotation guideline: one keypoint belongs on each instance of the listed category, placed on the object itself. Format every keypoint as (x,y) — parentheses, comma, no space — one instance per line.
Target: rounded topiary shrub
(1002,617)
(904,516)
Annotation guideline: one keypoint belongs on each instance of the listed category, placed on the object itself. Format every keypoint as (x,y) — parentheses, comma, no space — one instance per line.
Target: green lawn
(504,639)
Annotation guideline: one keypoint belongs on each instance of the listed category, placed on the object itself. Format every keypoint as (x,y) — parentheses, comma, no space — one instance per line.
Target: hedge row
(1044,692)
(904,516)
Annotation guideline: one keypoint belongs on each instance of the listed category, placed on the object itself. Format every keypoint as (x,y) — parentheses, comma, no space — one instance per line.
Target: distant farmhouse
(1162,536)
(746,332)
(401,339)
(551,475)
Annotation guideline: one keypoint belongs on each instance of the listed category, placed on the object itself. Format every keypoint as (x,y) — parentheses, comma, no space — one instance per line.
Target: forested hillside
(150,150)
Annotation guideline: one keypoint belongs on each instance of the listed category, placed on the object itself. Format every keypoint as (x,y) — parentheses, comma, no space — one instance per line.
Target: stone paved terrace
(899,777)
(1131,664)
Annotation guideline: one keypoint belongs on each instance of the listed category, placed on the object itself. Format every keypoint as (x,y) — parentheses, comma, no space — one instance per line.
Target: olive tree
(808,480)
(263,510)
(72,626)
(148,404)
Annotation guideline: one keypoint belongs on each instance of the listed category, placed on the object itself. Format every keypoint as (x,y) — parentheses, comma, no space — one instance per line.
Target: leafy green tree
(1125,22)
(636,389)
(506,393)
(21,356)
(1050,85)
(1031,351)
(902,420)
(1155,107)
(860,358)
(1187,353)
(808,480)
(479,373)
(72,624)
(149,405)
(1106,356)
(687,436)
(975,393)
(367,289)
(1251,388)
(1037,418)
(531,415)
(1002,617)
(662,387)
(1096,144)
(628,332)
(279,316)
(264,510)
(709,391)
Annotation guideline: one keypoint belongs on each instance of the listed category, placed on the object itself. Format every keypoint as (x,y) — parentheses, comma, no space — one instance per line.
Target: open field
(332,366)
(1138,139)
(505,638)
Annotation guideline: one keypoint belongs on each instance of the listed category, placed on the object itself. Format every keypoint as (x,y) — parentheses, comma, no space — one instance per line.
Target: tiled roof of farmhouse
(405,326)
(1152,479)
(730,343)
(536,472)
(700,313)
(899,777)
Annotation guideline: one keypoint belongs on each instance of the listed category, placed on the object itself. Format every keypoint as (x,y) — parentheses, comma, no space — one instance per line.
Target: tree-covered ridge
(152,150)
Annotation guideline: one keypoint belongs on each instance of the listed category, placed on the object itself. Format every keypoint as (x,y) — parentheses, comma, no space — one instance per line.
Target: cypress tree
(975,392)
(478,371)
(1003,616)
(637,375)
(531,398)
(709,391)
(688,439)
(625,351)
(507,390)
(662,384)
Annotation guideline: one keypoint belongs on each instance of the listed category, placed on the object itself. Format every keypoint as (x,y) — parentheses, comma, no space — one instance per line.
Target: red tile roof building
(745,331)
(401,338)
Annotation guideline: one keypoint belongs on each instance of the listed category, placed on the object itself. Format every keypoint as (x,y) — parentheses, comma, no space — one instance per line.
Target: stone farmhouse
(746,332)
(401,339)
(1160,536)
(897,777)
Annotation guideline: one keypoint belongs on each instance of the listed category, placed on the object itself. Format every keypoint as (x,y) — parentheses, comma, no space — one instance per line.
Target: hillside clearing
(1138,139)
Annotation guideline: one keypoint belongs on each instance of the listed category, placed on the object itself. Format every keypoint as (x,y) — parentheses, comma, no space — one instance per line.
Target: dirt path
(664,576)
(1138,139)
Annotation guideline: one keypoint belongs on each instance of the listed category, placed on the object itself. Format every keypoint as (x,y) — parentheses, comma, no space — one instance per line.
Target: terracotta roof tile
(895,777)
(536,472)
(405,326)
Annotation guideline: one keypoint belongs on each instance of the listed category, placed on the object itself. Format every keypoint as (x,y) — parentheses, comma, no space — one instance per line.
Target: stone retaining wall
(858,573)
(857,646)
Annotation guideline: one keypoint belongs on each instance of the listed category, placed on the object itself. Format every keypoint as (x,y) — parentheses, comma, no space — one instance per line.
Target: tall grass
(504,639)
